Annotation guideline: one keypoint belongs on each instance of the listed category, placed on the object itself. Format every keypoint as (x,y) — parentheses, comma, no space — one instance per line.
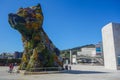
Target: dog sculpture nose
(14,19)
(11,15)
(11,18)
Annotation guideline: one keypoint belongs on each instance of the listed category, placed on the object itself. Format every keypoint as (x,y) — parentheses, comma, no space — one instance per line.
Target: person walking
(11,67)
(69,67)
(15,67)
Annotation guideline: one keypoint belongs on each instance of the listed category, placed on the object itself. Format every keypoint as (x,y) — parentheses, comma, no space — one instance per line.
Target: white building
(87,52)
(111,45)
(74,59)
(99,49)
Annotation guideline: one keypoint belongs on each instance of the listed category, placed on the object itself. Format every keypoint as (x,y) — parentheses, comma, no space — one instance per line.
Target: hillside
(79,48)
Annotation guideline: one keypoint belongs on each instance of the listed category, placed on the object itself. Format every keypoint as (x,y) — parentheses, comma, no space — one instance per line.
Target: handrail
(46,69)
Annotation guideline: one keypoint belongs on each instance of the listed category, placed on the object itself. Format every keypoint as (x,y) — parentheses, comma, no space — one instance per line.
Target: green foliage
(65,54)
(50,61)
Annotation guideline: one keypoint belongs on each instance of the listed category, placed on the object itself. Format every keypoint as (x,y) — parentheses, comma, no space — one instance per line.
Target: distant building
(0,56)
(99,49)
(14,55)
(6,56)
(91,54)
(74,59)
(91,51)
(87,52)
(17,55)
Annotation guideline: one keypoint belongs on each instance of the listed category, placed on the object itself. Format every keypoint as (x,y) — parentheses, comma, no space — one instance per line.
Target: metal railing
(46,69)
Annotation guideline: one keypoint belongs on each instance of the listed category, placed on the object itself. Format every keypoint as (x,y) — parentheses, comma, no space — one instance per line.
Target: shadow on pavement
(82,72)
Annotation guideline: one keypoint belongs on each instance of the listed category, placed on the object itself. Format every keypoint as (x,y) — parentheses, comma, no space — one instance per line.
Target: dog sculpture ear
(38,5)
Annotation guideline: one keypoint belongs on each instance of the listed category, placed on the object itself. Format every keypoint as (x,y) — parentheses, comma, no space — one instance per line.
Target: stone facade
(111,45)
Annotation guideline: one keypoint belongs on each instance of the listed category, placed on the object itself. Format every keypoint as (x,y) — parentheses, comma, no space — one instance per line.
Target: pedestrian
(11,67)
(15,67)
(69,67)
(66,67)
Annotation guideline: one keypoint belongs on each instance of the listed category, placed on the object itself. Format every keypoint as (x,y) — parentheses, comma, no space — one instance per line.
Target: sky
(68,23)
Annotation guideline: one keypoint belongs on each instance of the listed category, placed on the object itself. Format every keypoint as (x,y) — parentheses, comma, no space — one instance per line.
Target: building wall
(87,52)
(17,55)
(111,44)
(116,30)
(99,49)
(74,59)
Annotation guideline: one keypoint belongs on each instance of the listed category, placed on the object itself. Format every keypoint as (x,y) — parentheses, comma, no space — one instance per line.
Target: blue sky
(68,23)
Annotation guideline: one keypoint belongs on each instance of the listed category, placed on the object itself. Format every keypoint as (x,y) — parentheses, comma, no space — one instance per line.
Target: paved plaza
(78,72)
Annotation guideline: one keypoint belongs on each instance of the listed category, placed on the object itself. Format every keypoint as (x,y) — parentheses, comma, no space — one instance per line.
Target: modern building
(111,45)
(87,52)
(86,55)
(14,55)
(5,55)
(91,54)
(74,59)
(99,49)
(83,54)
(17,55)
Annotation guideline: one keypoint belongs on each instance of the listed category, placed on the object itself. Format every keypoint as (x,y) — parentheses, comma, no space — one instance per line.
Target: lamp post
(70,57)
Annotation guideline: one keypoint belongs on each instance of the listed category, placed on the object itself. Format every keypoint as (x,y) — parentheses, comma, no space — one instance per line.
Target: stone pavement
(78,72)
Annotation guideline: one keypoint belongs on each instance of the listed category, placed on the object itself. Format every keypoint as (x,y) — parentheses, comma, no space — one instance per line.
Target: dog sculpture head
(27,20)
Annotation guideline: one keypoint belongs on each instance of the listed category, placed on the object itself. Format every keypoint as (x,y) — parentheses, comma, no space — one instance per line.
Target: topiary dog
(39,51)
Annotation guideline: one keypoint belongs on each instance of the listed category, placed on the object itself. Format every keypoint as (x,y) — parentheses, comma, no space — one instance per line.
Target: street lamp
(70,57)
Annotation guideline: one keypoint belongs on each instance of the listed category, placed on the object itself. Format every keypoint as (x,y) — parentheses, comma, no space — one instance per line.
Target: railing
(46,69)
(100,60)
